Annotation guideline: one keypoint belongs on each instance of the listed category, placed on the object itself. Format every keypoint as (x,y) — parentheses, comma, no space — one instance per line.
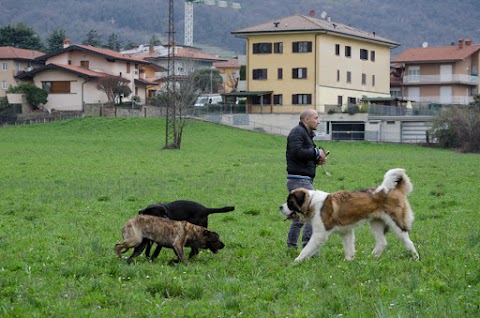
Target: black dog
(181,210)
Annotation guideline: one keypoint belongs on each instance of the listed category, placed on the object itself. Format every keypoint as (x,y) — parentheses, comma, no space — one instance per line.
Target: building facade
(14,61)
(438,75)
(301,61)
(71,76)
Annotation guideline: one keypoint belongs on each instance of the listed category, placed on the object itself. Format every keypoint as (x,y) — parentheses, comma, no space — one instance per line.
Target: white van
(202,100)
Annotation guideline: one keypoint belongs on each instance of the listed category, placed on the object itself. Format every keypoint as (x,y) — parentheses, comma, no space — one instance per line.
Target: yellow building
(230,72)
(301,61)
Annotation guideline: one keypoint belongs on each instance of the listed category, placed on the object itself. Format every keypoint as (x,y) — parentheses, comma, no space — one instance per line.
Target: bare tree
(113,86)
(181,101)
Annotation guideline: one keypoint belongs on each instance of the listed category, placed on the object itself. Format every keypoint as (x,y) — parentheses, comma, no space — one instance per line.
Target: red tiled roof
(194,54)
(189,54)
(108,54)
(232,63)
(436,54)
(111,53)
(80,71)
(145,81)
(8,52)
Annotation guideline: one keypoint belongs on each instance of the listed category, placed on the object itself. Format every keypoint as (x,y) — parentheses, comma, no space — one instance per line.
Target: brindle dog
(166,233)
(181,210)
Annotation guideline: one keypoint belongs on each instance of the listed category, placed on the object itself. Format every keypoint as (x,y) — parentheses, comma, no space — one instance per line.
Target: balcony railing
(441,79)
(461,100)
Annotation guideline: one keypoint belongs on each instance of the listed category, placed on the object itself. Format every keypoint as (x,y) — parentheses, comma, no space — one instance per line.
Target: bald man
(303,157)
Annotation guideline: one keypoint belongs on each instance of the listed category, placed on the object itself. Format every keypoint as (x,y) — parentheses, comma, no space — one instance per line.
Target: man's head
(309,117)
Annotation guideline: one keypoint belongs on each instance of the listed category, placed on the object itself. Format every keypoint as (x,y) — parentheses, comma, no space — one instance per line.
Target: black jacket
(301,153)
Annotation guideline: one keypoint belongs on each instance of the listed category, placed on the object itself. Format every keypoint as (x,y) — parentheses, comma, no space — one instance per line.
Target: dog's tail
(220,210)
(396,179)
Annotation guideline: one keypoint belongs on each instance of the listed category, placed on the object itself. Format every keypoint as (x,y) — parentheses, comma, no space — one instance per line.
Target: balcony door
(446,72)
(445,95)
(414,94)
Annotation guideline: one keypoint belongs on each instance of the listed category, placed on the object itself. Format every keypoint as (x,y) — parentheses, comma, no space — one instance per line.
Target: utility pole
(171,118)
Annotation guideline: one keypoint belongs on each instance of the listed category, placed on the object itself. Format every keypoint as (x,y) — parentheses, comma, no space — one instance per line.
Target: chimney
(66,43)
(460,43)
(468,42)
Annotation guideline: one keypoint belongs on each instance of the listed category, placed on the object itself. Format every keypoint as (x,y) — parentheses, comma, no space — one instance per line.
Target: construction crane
(189,14)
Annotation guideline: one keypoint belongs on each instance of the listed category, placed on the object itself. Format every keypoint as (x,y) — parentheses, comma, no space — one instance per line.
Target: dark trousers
(296,227)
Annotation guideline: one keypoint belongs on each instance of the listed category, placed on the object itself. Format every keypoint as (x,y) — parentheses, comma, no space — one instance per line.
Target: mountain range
(409,22)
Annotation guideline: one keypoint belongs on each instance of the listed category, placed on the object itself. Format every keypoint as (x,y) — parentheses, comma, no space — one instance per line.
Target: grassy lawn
(66,189)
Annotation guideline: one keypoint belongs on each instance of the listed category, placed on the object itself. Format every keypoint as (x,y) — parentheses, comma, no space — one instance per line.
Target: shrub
(35,95)
(3,103)
(459,127)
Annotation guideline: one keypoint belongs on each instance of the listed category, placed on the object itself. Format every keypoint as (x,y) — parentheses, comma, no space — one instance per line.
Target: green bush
(35,95)
(3,103)
(459,127)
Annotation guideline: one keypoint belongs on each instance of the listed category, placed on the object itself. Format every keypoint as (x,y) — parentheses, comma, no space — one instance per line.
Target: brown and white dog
(383,207)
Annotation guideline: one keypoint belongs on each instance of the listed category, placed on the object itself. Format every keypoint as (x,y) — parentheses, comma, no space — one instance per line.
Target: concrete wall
(385,129)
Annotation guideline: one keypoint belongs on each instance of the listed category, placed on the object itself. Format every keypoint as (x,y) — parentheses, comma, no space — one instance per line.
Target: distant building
(300,61)
(14,61)
(71,75)
(187,61)
(230,72)
(438,75)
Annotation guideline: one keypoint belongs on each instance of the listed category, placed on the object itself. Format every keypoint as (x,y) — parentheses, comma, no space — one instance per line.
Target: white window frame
(414,73)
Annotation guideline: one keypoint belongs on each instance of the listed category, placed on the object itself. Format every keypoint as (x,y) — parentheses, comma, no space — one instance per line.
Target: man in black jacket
(303,156)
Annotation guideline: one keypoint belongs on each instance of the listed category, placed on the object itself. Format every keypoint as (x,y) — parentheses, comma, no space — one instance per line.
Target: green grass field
(66,189)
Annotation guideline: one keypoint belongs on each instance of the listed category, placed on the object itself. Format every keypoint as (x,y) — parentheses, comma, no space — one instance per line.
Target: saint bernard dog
(383,207)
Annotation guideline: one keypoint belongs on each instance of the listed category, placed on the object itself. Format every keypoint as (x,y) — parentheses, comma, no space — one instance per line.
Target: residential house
(300,61)
(14,61)
(438,75)
(71,75)
(230,72)
(186,61)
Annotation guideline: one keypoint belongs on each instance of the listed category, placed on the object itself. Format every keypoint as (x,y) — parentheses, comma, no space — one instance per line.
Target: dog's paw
(298,260)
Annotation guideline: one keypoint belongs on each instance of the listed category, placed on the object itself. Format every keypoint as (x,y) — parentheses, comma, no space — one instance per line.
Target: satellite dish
(323,15)
(311,13)
(140,48)
(425,44)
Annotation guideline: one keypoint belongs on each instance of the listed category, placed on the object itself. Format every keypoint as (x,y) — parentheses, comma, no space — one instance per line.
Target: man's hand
(322,157)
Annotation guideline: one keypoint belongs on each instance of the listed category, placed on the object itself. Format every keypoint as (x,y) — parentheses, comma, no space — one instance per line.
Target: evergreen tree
(93,39)
(207,80)
(154,40)
(113,42)
(55,40)
(20,36)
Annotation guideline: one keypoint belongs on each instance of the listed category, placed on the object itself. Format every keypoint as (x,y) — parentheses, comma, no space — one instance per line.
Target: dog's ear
(298,200)
(300,197)
(295,200)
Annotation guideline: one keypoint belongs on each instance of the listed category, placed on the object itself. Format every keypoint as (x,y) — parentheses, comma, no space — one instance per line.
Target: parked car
(203,100)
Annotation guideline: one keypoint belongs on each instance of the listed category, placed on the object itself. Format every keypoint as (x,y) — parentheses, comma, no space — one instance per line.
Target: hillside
(406,21)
